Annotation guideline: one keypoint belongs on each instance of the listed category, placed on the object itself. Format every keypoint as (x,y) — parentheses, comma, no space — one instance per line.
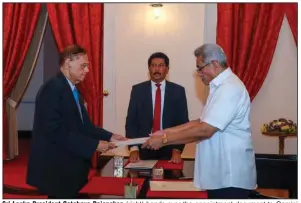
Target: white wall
(132,35)
(278,95)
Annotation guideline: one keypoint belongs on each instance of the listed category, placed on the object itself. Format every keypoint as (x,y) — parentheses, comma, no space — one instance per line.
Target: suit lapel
(149,103)
(69,94)
(167,96)
(84,110)
(149,100)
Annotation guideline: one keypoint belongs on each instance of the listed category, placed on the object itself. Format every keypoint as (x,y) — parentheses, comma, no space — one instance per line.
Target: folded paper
(135,141)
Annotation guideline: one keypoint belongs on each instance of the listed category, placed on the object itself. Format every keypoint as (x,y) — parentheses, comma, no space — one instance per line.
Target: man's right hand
(134,156)
(159,132)
(104,146)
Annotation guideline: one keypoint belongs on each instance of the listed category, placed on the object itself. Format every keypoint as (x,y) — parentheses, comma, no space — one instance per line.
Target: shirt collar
(163,84)
(221,77)
(70,83)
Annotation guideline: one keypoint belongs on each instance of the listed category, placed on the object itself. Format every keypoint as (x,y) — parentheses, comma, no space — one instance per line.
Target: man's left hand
(118,137)
(176,157)
(154,142)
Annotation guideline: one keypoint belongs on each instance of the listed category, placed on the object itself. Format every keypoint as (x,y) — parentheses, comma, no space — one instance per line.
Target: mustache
(156,73)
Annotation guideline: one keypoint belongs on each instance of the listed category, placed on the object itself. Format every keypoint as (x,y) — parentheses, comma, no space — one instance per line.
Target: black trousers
(229,193)
(161,154)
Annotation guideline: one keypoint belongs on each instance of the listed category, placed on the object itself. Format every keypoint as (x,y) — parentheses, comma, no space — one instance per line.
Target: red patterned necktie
(157,111)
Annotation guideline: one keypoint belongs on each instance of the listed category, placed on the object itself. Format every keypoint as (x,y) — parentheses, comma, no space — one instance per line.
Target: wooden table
(281,137)
(276,176)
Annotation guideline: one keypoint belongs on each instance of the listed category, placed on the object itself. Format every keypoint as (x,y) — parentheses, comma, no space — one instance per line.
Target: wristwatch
(164,139)
(177,150)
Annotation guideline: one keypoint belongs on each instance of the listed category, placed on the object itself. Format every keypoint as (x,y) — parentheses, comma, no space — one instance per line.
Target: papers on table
(172,186)
(119,143)
(142,164)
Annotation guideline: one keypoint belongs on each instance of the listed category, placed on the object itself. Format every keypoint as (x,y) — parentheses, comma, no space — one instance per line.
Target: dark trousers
(163,153)
(229,193)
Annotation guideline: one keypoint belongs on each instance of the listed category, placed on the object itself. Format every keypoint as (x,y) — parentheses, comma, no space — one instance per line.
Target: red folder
(109,185)
(166,165)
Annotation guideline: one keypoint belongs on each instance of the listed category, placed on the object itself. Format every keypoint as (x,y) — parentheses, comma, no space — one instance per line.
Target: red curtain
(248,33)
(19,21)
(82,23)
(291,11)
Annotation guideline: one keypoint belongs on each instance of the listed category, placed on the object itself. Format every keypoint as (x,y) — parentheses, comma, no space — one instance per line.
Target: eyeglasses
(199,68)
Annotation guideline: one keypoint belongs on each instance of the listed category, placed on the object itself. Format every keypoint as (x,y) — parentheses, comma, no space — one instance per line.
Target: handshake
(153,142)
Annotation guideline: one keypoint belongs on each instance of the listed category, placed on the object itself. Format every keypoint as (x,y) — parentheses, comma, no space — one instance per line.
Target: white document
(172,186)
(142,164)
(119,143)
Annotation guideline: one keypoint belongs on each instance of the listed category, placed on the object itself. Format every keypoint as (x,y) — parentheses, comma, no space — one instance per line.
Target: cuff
(134,148)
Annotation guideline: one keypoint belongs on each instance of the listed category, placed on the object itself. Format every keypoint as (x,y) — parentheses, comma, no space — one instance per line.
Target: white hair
(210,52)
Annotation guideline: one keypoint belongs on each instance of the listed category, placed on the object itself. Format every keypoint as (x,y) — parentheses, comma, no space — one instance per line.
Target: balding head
(70,52)
(74,63)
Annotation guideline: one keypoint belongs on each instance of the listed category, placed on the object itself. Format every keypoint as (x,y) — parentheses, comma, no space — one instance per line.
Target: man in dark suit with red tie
(156,104)
(64,138)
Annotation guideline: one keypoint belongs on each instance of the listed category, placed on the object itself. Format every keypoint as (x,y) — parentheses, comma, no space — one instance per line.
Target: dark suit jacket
(139,121)
(62,146)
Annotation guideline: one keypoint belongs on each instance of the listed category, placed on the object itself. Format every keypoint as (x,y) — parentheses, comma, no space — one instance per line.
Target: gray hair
(210,52)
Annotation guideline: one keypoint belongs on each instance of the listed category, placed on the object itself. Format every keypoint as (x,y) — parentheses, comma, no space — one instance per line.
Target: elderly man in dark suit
(64,138)
(154,105)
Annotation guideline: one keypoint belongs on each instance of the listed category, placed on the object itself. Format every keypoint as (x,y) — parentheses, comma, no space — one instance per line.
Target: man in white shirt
(224,158)
(154,105)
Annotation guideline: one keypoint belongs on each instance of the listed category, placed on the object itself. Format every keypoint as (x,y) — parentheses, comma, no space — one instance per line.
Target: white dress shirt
(71,85)
(154,90)
(226,159)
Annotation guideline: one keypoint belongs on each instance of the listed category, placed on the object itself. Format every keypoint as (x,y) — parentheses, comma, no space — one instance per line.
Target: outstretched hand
(104,146)
(118,137)
(154,142)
